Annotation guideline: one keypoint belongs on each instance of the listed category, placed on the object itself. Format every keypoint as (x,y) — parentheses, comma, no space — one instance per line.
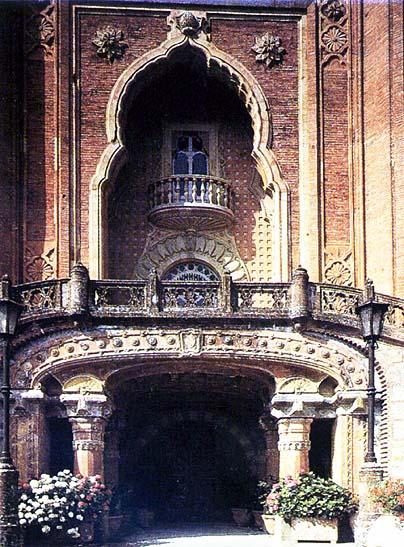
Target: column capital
(87,406)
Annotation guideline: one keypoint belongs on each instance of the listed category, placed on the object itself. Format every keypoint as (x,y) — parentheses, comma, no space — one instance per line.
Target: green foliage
(309,496)
(389,495)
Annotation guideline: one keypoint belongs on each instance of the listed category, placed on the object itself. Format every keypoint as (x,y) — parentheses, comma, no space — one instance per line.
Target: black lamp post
(9,529)
(371,314)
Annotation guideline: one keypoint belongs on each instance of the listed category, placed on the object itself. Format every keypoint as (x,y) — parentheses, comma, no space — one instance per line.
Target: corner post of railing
(153,295)
(79,285)
(299,298)
(225,293)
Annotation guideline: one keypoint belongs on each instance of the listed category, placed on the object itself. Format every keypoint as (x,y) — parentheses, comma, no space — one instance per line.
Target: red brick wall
(97,78)
(280,85)
(336,181)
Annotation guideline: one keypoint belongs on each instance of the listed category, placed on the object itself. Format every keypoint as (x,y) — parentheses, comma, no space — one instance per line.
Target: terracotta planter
(145,518)
(115,524)
(86,529)
(315,530)
(241,516)
(269,523)
(385,531)
(258,520)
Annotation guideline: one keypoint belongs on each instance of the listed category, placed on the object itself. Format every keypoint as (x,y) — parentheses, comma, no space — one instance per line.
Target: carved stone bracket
(192,24)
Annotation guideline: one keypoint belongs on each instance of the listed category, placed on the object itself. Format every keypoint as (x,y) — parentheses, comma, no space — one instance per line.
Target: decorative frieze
(268,50)
(59,353)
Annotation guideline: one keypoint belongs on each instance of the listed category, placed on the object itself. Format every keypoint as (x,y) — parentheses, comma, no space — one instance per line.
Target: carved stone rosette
(333,29)
(109,43)
(268,50)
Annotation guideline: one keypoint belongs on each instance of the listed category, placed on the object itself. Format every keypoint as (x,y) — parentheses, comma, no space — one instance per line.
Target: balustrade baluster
(194,188)
(155,194)
(210,191)
(170,190)
(225,195)
(177,189)
(186,189)
(218,193)
(204,196)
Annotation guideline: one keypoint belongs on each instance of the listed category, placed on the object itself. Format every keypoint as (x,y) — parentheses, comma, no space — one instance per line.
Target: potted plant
(61,509)
(263,520)
(308,508)
(389,497)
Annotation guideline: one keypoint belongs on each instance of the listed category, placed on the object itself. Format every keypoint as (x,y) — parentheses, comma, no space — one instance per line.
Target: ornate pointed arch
(115,155)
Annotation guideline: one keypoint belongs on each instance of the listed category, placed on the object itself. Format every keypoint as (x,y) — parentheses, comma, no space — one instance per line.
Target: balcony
(191,202)
(224,300)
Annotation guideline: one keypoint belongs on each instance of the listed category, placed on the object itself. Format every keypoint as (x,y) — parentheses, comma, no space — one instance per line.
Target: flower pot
(315,530)
(385,531)
(86,530)
(241,516)
(269,523)
(115,524)
(258,520)
(145,517)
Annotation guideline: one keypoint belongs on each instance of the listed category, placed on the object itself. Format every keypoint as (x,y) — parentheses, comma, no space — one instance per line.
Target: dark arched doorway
(191,447)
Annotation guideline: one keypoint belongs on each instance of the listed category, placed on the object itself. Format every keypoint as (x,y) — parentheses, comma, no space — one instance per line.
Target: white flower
(34,483)
(79,517)
(24,497)
(62,519)
(70,514)
(59,527)
(45,529)
(22,521)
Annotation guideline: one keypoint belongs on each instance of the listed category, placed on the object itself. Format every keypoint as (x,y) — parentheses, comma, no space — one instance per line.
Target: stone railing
(203,200)
(296,302)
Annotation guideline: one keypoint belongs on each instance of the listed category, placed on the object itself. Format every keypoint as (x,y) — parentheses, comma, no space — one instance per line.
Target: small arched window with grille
(191,271)
(190,156)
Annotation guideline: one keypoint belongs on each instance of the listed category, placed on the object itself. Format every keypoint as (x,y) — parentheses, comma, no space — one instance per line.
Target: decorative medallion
(333,9)
(39,267)
(109,43)
(338,266)
(334,39)
(268,49)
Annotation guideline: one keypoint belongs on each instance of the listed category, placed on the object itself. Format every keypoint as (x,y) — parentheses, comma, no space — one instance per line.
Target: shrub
(389,495)
(309,496)
(60,503)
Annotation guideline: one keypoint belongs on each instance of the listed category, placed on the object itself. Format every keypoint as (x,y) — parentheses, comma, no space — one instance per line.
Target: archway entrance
(191,447)
(193,472)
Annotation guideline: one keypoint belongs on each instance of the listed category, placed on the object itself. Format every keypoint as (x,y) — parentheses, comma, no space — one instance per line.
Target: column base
(10,535)
(369,474)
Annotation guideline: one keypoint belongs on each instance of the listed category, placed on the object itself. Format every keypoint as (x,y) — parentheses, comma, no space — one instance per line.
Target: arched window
(190,157)
(191,271)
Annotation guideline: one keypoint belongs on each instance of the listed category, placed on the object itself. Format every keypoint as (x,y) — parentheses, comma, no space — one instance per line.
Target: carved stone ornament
(333,9)
(191,24)
(338,266)
(39,267)
(40,26)
(334,39)
(109,43)
(268,49)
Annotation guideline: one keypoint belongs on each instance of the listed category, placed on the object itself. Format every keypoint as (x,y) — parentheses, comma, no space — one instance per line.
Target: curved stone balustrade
(274,302)
(199,201)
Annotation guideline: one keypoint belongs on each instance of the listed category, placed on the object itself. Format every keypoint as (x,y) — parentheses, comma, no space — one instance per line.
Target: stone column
(29,434)
(270,429)
(88,415)
(294,445)
(88,445)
